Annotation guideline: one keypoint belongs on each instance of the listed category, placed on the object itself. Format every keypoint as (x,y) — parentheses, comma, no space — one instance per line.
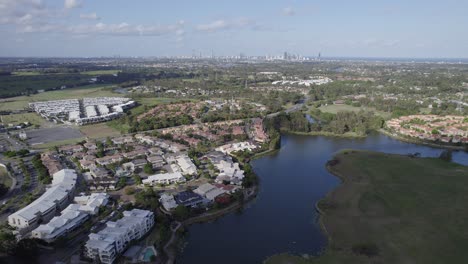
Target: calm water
(282,218)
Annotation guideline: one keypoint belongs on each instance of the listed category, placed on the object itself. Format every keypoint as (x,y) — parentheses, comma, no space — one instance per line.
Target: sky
(357,28)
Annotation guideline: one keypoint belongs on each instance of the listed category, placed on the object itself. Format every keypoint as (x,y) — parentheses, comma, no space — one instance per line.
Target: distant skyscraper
(319,55)
(285,57)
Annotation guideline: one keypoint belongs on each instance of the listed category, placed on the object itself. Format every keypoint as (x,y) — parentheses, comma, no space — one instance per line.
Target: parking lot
(42,136)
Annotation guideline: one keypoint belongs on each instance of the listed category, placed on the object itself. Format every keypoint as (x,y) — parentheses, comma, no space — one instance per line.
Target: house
(186,165)
(135,154)
(155,151)
(167,201)
(100,172)
(209,191)
(190,199)
(157,161)
(90,146)
(91,203)
(138,163)
(70,149)
(122,140)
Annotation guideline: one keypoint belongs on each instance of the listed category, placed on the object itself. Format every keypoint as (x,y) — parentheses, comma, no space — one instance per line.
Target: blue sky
(377,28)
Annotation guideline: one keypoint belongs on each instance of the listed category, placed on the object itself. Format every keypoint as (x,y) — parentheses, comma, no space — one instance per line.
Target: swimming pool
(148,253)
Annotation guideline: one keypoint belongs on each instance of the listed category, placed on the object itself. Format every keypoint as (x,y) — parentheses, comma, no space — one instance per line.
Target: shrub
(367,249)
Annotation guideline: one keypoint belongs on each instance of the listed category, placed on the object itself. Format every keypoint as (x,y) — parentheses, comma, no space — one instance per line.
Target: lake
(283,218)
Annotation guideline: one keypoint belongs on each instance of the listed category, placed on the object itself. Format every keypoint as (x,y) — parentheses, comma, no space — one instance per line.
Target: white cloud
(24,12)
(70,4)
(126,29)
(90,16)
(221,24)
(288,11)
(213,26)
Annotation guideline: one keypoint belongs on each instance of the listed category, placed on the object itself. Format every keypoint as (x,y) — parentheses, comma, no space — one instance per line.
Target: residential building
(209,191)
(165,178)
(168,201)
(91,203)
(190,199)
(43,209)
(107,244)
(69,220)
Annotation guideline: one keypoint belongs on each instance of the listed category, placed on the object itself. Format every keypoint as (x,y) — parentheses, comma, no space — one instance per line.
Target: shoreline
(324,133)
(206,218)
(420,142)
(224,211)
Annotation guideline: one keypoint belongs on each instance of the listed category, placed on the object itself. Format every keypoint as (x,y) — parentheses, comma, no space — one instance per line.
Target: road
(293,108)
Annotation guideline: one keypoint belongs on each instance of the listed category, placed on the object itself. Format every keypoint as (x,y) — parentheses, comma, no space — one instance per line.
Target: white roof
(204,188)
(91,202)
(164,177)
(63,182)
(68,219)
(105,238)
(212,194)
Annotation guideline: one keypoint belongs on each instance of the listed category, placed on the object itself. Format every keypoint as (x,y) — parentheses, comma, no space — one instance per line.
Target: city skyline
(79,28)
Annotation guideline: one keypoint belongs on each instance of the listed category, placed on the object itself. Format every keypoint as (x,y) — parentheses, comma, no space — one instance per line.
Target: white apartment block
(72,217)
(43,209)
(95,110)
(165,178)
(69,220)
(107,244)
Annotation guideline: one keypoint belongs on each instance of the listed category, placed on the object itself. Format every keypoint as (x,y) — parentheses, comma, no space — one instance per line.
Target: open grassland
(32,118)
(338,108)
(100,130)
(393,209)
(21,102)
(4,178)
(26,73)
(100,72)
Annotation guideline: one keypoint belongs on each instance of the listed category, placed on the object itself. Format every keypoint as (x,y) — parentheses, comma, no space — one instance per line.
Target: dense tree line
(157,123)
(284,122)
(42,171)
(360,123)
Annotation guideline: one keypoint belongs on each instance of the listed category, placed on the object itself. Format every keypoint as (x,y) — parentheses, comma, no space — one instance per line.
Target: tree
(7,240)
(446,155)
(121,183)
(148,168)
(137,179)
(27,250)
(109,141)
(181,213)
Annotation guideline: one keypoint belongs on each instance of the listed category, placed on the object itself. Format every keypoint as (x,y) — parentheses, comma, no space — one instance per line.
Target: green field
(101,130)
(21,102)
(394,209)
(338,108)
(26,73)
(32,118)
(101,72)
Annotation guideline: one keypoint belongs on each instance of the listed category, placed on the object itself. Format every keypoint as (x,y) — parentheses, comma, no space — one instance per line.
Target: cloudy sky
(367,28)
